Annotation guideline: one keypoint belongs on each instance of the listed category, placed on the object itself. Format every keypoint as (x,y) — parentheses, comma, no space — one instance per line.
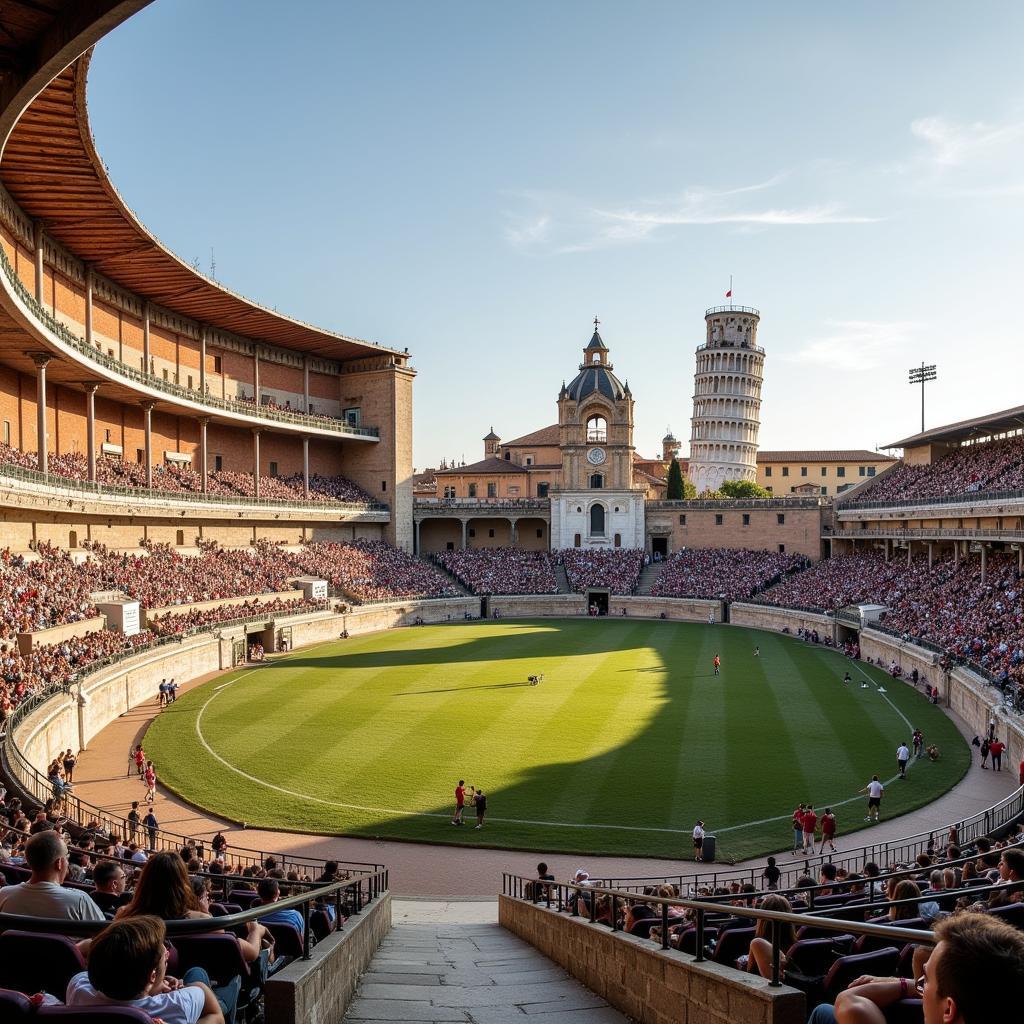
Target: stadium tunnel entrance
(659,547)
(597,602)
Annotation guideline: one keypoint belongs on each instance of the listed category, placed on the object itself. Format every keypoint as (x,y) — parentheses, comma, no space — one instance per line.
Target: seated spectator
(759,957)
(44,895)
(109,878)
(974,974)
(730,574)
(269,890)
(128,967)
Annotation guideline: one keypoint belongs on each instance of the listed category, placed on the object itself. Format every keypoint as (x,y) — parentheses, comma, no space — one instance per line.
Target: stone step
(647,578)
(562,579)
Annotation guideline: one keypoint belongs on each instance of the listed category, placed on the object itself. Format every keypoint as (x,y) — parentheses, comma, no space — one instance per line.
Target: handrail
(947,499)
(923,532)
(735,503)
(68,337)
(56,481)
(732,309)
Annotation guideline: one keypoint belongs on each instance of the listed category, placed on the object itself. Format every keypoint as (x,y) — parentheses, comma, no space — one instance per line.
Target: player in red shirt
(828,830)
(460,802)
(717,664)
(809,823)
(996,748)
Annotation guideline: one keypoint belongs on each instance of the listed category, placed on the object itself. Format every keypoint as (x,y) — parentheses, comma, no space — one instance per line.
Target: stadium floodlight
(919,375)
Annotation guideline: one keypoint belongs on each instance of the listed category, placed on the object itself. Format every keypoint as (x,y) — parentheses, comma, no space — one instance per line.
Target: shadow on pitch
(459,689)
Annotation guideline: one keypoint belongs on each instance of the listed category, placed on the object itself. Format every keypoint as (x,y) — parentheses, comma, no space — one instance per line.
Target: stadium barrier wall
(225,602)
(69,721)
(569,605)
(58,634)
(321,989)
(648,984)
(763,616)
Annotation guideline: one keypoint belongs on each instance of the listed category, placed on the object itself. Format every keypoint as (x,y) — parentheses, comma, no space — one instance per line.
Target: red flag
(728,294)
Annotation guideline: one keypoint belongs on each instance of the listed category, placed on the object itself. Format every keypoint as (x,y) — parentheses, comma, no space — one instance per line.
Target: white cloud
(951,143)
(855,344)
(524,232)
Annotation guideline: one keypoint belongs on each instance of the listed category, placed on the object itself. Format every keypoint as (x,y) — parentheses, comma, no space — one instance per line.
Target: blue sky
(477,181)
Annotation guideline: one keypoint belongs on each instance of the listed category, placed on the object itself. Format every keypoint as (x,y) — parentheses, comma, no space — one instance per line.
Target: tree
(675,481)
(742,489)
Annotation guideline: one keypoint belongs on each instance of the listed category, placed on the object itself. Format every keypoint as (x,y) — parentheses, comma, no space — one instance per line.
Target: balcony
(68,339)
(597,436)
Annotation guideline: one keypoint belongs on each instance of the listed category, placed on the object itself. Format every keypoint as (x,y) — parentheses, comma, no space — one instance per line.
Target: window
(471,532)
(528,460)
(767,470)
(218,364)
(140,456)
(218,462)
(597,520)
(861,471)
(450,545)
(618,540)
(7,432)
(471,490)
(575,540)
(824,491)
(540,533)
(72,538)
(596,480)
(782,549)
(746,518)
(449,492)
(803,471)
(597,429)
(383,485)
(508,456)
(871,470)
(179,538)
(682,519)
(718,519)
(840,471)
(824,470)
(265,399)
(542,490)
(106,436)
(780,518)
(353,417)
(490,533)
(273,469)
(492,490)
(785,470)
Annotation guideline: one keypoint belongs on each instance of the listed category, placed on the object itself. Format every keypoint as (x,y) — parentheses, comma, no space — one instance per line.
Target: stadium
(218,559)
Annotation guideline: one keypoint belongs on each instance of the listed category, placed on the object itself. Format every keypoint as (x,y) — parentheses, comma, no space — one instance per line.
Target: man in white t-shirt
(128,967)
(874,790)
(44,895)
(698,841)
(902,757)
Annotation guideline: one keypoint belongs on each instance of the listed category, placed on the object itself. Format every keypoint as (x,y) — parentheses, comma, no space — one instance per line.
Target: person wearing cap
(698,841)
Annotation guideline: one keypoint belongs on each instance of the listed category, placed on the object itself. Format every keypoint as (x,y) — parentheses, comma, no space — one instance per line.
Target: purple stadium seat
(287,940)
(882,963)
(33,962)
(814,956)
(14,1006)
(731,944)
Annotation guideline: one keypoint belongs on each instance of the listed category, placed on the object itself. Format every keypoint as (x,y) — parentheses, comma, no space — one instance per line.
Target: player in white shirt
(874,790)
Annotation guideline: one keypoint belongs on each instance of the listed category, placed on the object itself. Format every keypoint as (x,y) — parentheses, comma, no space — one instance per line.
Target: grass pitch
(629,739)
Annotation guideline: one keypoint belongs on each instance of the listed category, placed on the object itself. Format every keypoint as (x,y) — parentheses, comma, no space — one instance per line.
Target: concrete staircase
(562,580)
(453,962)
(647,577)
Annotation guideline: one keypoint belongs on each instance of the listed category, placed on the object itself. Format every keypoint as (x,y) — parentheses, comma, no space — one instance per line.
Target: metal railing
(732,309)
(477,504)
(773,504)
(122,369)
(915,532)
(969,498)
(53,481)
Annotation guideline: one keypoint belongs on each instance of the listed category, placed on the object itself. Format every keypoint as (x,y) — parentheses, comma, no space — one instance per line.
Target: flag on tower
(728,294)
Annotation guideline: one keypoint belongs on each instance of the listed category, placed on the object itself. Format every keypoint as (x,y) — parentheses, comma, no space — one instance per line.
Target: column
(41,359)
(305,383)
(204,458)
(465,525)
(416,538)
(256,375)
(513,531)
(147,410)
(910,551)
(256,461)
(146,367)
(37,242)
(305,467)
(88,305)
(931,554)
(956,554)
(90,427)
(984,562)
(203,337)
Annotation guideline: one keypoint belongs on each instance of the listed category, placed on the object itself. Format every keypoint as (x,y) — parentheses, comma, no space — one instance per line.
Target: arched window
(596,520)
(597,428)
(596,480)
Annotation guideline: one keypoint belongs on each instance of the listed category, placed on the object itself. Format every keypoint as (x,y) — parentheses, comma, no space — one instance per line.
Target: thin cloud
(951,143)
(855,344)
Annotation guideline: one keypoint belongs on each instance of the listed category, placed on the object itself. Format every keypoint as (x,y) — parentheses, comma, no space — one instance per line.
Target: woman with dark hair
(759,958)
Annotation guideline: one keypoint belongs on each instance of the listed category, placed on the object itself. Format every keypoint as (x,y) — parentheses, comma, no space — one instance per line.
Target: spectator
(109,878)
(269,890)
(44,895)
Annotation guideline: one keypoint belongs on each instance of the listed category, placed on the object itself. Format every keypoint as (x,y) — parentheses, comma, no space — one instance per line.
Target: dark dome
(596,378)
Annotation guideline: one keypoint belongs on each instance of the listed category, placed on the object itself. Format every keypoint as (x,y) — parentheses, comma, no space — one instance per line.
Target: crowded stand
(989,466)
(501,570)
(729,574)
(175,478)
(617,569)
(176,623)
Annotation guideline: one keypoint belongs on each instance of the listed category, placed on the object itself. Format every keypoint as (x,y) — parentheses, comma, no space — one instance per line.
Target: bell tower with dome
(596,505)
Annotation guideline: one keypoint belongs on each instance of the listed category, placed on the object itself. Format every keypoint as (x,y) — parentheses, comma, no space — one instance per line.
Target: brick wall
(800,531)
(650,985)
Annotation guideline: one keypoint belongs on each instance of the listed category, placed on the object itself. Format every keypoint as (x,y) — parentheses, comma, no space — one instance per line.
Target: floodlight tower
(920,375)
(726,399)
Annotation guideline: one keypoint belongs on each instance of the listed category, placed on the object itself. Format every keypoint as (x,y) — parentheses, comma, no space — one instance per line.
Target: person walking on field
(698,839)
(902,757)
(480,803)
(798,827)
(718,665)
(828,830)
(874,790)
(995,748)
(150,782)
(460,802)
(809,824)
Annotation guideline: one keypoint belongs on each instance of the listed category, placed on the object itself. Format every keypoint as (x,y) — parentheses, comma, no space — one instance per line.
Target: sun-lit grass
(629,739)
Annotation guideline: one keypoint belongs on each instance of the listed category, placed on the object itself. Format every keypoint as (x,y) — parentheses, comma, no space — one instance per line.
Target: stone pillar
(90,428)
(305,467)
(1020,559)
(204,458)
(465,536)
(416,538)
(203,337)
(984,562)
(931,554)
(146,363)
(513,531)
(88,305)
(910,552)
(38,246)
(256,461)
(256,375)
(41,359)
(305,383)
(956,554)
(888,549)
(147,411)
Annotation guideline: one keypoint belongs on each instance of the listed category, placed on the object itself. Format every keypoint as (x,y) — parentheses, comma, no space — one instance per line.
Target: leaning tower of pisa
(726,399)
